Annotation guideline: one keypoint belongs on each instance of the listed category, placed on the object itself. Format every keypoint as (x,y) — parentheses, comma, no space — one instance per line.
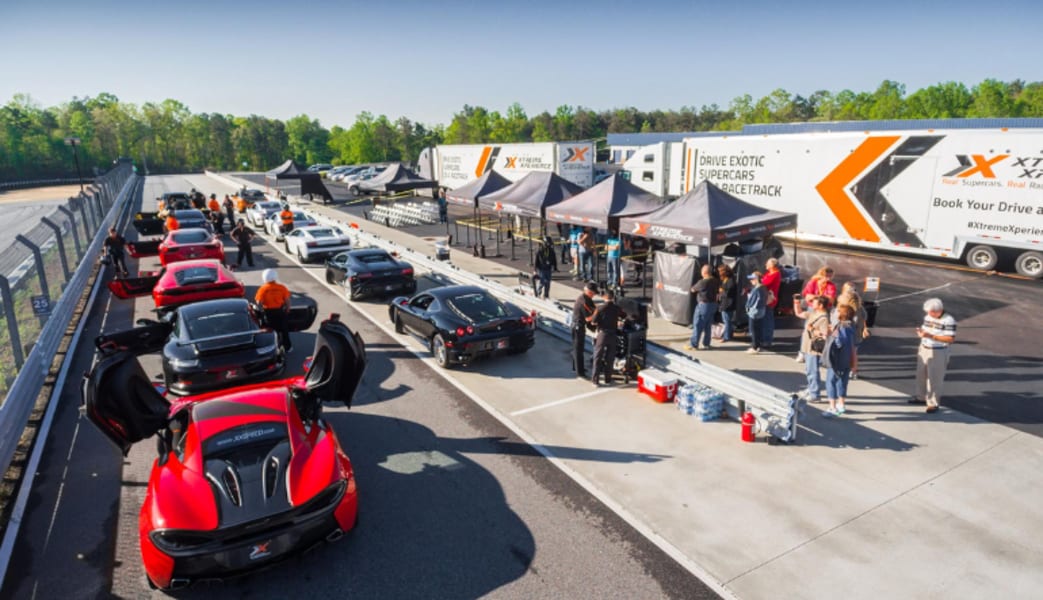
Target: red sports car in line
(182,244)
(244,476)
(182,283)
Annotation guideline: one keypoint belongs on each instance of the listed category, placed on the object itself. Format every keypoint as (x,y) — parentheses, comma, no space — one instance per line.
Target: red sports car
(182,283)
(244,477)
(182,244)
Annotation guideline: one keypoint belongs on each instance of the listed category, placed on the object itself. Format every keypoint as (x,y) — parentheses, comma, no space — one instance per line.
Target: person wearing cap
(286,217)
(581,310)
(606,321)
(274,298)
(545,262)
(756,311)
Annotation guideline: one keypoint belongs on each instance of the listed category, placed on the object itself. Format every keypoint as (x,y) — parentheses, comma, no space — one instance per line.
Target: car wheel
(983,258)
(352,296)
(399,328)
(300,257)
(329,277)
(354,190)
(439,350)
(1030,264)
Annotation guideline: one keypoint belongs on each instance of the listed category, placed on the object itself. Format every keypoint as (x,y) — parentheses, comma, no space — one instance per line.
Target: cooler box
(660,386)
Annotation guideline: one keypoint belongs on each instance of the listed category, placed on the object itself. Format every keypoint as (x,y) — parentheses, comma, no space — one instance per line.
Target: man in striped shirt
(937,333)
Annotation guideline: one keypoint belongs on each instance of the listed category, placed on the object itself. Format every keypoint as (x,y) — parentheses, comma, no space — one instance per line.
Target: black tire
(329,277)
(352,296)
(399,327)
(353,190)
(1030,264)
(300,257)
(983,258)
(439,351)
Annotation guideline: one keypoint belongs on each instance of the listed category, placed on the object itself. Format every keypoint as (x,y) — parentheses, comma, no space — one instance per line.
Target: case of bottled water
(700,401)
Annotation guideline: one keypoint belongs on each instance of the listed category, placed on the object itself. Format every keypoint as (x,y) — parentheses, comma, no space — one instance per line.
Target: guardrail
(111,192)
(31,183)
(776,411)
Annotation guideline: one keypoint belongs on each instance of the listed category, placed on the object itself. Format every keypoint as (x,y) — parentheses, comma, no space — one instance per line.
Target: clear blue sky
(426,59)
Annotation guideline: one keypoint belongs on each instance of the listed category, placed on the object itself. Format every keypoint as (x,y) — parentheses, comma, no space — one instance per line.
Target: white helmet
(269,275)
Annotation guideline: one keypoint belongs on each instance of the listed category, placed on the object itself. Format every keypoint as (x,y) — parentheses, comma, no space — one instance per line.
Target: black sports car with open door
(244,476)
(370,272)
(463,323)
(212,344)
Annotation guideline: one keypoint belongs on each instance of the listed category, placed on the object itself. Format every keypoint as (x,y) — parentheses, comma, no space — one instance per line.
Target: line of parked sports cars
(247,470)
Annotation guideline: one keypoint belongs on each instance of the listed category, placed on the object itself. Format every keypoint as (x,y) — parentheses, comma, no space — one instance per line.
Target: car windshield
(218,324)
(299,216)
(189,237)
(268,206)
(321,232)
(253,194)
(196,275)
(478,307)
(374,258)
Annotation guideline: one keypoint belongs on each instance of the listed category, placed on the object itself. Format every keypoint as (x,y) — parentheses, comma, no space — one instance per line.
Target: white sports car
(309,243)
(256,214)
(273,224)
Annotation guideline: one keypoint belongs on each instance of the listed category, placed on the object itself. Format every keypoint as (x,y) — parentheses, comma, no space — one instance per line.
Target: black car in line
(463,323)
(370,272)
(212,344)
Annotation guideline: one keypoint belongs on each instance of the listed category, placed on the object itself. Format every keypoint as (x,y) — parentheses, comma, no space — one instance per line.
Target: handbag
(818,345)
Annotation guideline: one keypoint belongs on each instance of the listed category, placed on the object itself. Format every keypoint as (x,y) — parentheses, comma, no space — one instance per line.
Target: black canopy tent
(311,182)
(530,196)
(396,178)
(604,204)
(708,216)
(468,194)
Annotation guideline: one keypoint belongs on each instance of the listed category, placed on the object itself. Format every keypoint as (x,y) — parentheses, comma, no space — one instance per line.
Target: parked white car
(273,225)
(256,214)
(320,241)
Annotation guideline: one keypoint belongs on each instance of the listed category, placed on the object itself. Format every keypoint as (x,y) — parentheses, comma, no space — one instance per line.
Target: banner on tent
(671,293)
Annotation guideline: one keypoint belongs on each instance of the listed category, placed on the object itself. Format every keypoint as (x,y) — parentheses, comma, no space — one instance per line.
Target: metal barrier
(42,280)
(31,183)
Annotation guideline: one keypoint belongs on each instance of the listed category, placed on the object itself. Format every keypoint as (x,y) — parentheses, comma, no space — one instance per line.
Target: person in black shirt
(706,292)
(546,261)
(581,311)
(729,300)
(114,245)
(243,235)
(606,320)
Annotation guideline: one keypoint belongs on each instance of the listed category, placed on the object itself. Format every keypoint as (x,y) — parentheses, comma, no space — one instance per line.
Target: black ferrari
(370,272)
(212,344)
(463,323)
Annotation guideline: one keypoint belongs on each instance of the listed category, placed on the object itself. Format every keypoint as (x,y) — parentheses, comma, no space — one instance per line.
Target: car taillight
(364,275)
(526,320)
(461,331)
(407,271)
(311,244)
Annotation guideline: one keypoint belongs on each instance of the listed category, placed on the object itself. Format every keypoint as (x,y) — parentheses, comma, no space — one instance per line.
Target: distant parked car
(370,272)
(319,168)
(308,243)
(256,214)
(273,226)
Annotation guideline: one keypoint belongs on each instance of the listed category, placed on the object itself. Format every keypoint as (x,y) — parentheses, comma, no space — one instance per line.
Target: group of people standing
(604,320)
(721,293)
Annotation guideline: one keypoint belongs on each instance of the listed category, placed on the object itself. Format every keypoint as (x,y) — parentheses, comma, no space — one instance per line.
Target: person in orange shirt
(286,216)
(213,205)
(274,298)
(171,223)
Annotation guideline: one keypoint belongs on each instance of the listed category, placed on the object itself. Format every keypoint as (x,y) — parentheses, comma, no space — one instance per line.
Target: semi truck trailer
(454,165)
(970,194)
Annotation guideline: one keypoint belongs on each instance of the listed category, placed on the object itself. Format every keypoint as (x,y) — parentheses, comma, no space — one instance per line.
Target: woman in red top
(821,285)
(772,280)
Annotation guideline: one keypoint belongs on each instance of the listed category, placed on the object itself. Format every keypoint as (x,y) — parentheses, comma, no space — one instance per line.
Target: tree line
(171,138)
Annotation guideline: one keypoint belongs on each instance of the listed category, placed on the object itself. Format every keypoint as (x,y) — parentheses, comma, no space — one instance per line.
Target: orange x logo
(983,166)
(511,162)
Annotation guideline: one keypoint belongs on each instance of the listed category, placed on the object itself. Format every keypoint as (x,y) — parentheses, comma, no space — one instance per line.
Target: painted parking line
(562,401)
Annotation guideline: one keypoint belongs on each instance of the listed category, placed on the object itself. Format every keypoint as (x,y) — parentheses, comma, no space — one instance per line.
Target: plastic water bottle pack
(700,401)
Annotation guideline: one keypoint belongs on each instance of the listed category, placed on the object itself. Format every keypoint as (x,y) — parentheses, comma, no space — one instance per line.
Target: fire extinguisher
(748,423)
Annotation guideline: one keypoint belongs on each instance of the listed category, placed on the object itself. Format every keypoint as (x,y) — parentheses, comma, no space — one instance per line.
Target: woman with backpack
(840,347)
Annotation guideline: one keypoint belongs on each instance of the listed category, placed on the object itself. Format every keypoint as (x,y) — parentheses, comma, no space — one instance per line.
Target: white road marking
(916,293)
(562,401)
(662,543)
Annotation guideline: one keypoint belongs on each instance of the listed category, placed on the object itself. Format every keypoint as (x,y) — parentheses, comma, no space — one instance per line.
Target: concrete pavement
(883,502)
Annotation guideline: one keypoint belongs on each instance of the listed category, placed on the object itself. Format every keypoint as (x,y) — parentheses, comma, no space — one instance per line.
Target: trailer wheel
(983,258)
(1030,264)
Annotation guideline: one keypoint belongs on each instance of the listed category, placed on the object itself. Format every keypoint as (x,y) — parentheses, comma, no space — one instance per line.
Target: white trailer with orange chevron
(974,194)
(454,165)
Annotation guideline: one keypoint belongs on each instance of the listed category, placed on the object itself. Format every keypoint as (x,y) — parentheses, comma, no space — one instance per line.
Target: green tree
(992,98)
(308,141)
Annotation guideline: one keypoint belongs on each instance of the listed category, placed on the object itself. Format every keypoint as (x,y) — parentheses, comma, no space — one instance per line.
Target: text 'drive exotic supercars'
(245,476)
(211,344)
(462,323)
(181,283)
(317,241)
(370,272)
